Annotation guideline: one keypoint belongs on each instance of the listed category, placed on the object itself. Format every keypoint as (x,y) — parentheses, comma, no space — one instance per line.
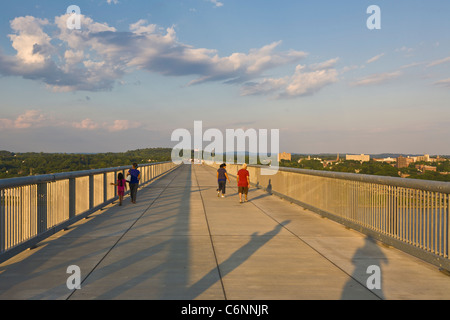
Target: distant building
(361,157)
(424,168)
(403,162)
(326,163)
(425,157)
(388,160)
(284,156)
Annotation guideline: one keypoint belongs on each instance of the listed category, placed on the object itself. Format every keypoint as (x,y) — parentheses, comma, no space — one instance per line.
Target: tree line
(25,164)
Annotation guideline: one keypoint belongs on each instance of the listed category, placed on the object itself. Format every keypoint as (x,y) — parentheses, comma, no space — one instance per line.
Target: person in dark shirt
(222,178)
(134,182)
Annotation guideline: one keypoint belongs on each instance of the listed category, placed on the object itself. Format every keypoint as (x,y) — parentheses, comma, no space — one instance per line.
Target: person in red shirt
(243,179)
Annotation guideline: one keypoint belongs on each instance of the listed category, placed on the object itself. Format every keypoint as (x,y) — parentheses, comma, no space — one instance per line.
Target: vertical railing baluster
(2,221)
(447,216)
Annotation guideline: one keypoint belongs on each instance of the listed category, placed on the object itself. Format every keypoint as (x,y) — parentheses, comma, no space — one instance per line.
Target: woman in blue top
(134,182)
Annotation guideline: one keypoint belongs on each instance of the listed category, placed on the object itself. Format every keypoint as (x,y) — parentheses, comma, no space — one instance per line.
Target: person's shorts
(243,190)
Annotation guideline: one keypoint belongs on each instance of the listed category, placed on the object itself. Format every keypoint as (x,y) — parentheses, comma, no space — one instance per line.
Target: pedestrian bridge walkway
(181,242)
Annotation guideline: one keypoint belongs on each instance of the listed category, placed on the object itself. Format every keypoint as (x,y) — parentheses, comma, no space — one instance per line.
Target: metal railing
(412,215)
(34,208)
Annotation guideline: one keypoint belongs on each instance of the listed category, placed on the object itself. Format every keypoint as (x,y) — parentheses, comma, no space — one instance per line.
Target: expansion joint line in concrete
(210,235)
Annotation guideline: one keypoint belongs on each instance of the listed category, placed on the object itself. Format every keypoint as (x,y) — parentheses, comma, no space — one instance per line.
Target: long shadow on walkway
(234,261)
(367,261)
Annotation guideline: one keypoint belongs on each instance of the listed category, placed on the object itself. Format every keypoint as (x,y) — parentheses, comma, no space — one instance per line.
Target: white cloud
(306,80)
(112,1)
(438,62)
(411,65)
(238,67)
(378,78)
(306,83)
(329,64)
(97,56)
(73,57)
(142,26)
(116,126)
(377,57)
(86,124)
(404,49)
(122,125)
(444,83)
(37,119)
(266,86)
(31,118)
(30,41)
(408,52)
(216,3)
(351,68)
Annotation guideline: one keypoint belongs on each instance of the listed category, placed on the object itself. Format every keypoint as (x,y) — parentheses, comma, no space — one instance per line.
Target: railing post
(115,179)
(72,197)
(105,187)
(91,191)
(41,207)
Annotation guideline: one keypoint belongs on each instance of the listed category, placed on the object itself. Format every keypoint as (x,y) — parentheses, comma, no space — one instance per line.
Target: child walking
(121,187)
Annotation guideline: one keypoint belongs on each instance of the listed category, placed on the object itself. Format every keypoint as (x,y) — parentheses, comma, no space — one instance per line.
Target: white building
(361,157)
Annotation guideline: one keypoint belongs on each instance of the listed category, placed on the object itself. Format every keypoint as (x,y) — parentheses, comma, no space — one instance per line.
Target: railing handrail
(425,185)
(53,177)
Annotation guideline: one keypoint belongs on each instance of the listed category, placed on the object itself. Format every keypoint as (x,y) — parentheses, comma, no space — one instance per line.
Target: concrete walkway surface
(182,242)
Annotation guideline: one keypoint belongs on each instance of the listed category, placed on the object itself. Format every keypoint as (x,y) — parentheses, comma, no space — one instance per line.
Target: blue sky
(138,70)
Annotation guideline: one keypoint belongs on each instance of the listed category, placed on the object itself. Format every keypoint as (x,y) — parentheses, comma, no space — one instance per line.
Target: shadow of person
(368,272)
(235,260)
(269,187)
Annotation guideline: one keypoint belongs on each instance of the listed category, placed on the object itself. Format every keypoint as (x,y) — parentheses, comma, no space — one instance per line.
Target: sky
(135,71)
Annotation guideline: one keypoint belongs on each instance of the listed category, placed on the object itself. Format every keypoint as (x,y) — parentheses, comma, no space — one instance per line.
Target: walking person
(222,177)
(243,180)
(135,176)
(121,185)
